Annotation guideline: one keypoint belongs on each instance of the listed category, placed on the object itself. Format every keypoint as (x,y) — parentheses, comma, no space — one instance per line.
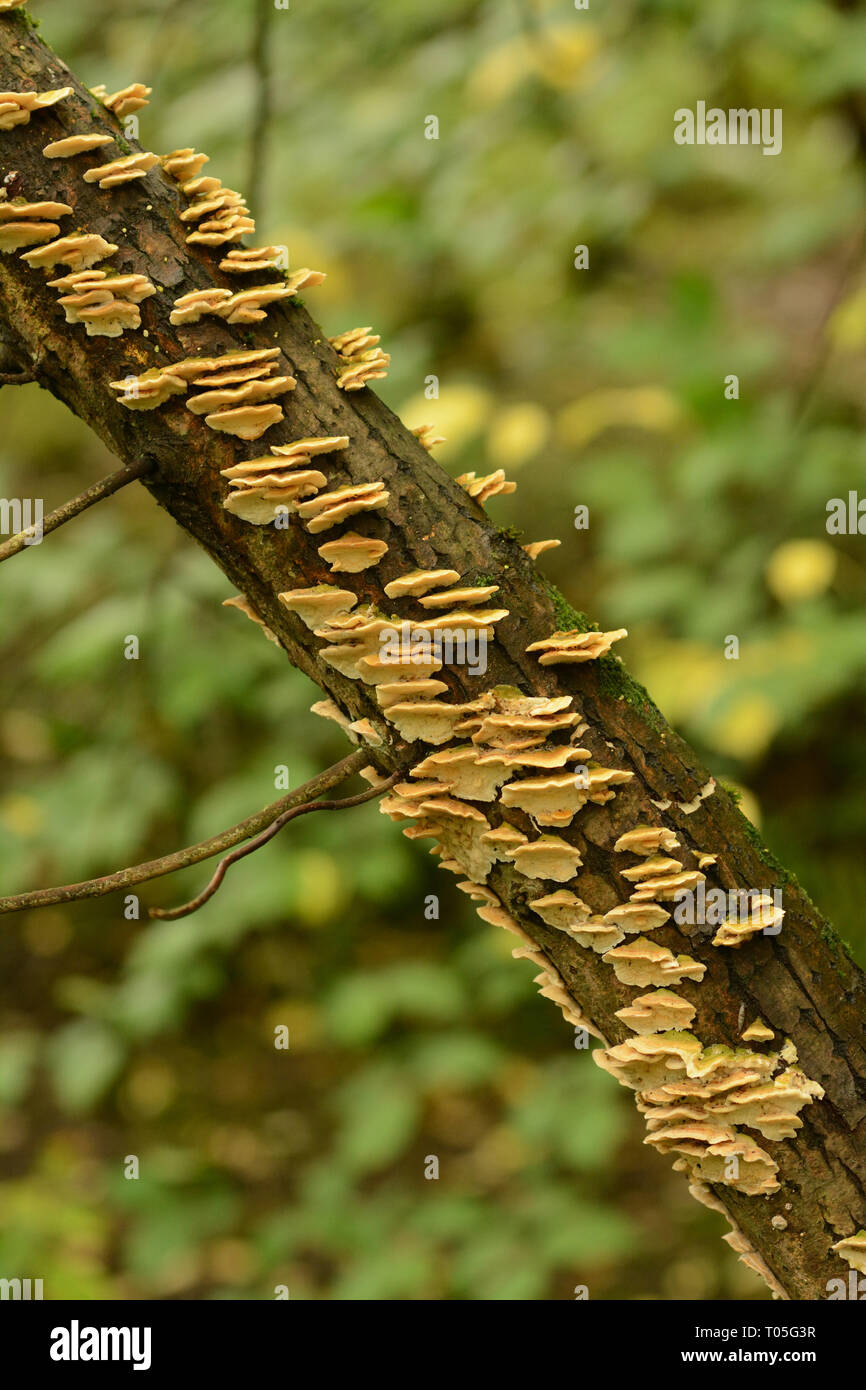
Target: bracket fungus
(125,102)
(460,768)
(556,798)
(358,371)
(72,145)
(352,553)
(487,486)
(243,604)
(575,647)
(247,421)
(79,252)
(252,260)
(657,1012)
(503,841)
(16,108)
(395,692)
(647,839)
(418,582)
(24,224)
(330,508)
(469,596)
(547,857)
(184,165)
(561,910)
(763,914)
(643,962)
(126,169)
(427,436)
(758,1032)
(319,604)
(106,303)
(637,917)
(853,1250)
(667,887)
(536,548)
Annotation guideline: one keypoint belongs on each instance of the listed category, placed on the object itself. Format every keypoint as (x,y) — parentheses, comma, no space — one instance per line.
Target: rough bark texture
(801,982)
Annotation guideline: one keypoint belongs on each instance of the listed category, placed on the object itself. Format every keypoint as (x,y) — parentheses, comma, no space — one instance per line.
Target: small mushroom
(14,236)
(398,691)
(189,308)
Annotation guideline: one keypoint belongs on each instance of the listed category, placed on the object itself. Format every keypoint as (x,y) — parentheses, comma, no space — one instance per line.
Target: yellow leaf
(801,569)
(517,434)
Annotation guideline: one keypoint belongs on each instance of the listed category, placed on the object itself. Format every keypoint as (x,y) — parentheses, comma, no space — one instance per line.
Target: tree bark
(801,982)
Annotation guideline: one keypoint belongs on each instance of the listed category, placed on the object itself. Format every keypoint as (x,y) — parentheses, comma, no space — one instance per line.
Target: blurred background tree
(602,387)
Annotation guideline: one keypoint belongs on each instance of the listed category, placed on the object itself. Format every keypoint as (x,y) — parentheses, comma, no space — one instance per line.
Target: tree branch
(194,854)
(802,983)
(172,913)
(75,506)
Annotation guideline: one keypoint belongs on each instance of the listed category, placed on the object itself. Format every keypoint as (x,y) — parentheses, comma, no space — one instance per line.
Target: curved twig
(172,913)
(193,854)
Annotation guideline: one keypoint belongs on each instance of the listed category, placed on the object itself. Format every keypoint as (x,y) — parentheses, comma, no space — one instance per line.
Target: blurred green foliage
(409,1037)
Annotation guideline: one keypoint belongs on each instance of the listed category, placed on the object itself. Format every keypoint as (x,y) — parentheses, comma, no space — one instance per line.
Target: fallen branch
(172,913)
(194,854)
(75,506)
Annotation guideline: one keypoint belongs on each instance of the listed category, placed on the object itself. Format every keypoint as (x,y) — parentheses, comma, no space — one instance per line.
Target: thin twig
(172,913)
(194,854)
(113,483)
(261,61)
